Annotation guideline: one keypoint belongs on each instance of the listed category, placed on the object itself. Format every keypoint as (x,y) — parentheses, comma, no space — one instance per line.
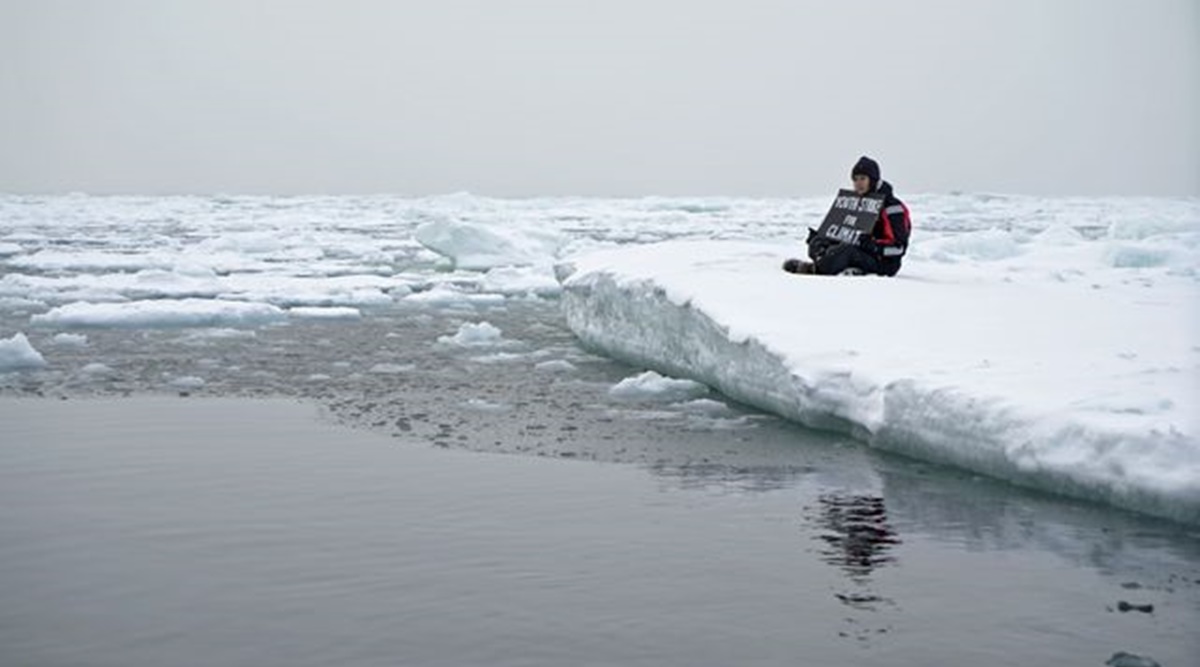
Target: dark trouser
(832,260)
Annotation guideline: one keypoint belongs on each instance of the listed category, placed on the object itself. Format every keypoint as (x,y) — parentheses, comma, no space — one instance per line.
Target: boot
(799,266)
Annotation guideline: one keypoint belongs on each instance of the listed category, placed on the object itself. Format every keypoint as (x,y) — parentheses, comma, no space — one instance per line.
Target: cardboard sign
(851,216)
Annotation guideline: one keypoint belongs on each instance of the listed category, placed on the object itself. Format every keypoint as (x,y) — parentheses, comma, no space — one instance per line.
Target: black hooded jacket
(890,235)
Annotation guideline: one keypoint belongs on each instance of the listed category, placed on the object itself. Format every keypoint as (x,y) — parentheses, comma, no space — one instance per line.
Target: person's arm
(891,233)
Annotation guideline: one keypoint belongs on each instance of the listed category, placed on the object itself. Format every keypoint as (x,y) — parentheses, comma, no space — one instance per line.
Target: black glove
(867,243)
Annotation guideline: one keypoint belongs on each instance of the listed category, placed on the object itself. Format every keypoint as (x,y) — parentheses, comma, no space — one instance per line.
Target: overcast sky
(604,97)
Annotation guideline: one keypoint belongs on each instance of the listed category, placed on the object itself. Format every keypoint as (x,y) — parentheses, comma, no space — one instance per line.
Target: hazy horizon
(569,98)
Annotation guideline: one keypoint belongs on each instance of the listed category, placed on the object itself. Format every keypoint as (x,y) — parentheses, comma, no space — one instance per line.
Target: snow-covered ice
(520,280)
(653,386)
(325,313)
(474,334)
(448,295)
(160,313)
(188,382)
(16,353)
(481,245)
(69,340)
(1043,362)
(555,366)
(499,358)
(1050,341)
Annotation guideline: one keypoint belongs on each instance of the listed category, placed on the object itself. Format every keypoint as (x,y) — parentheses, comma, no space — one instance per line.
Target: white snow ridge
(1063,386)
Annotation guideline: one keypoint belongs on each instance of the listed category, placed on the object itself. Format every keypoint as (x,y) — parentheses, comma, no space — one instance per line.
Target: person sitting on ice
(879,252)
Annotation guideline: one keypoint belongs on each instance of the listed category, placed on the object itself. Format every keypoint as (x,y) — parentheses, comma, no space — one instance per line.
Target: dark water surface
(222,531)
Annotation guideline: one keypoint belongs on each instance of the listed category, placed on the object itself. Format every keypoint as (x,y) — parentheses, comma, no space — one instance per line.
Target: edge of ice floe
(607,313)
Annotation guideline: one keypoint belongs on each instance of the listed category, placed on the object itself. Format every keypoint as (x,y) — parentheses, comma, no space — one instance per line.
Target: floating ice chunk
(17,354)
(652,386)
(10,249)
(188,382)
(328,313)
(164,313)
(247,243)
(538,280)
(499,358)
(556,366)
(349,290)
(484,405)
(447,295)
(479,246)
(472,334)
(20,303)
(96,368)
(70,340)
(106,260)
(1123,659)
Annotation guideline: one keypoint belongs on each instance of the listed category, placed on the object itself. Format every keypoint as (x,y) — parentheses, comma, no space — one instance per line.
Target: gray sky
(612,97)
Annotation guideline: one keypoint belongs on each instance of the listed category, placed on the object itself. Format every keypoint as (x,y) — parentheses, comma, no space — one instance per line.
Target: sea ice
(164,313)
(474,334)
(555,366)
(478,245)
(70,340)
(652,386)
(188,382)
(325,313)
(1085,391)
(17,354)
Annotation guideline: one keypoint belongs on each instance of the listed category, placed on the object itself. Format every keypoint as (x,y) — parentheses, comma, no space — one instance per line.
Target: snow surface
(1036,359)
(17,354)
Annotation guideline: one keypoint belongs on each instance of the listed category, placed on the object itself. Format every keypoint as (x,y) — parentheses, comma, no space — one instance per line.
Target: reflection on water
(277,541)
(857,540)
(857,533)
(732,478)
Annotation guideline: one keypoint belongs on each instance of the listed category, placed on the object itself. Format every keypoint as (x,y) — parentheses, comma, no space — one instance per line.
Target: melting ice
(1051,342)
